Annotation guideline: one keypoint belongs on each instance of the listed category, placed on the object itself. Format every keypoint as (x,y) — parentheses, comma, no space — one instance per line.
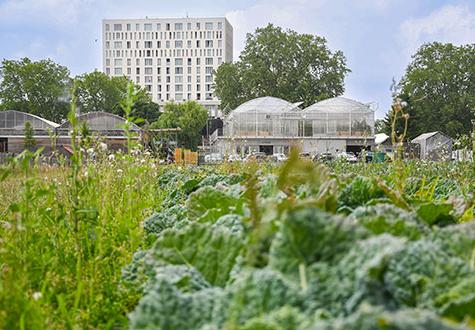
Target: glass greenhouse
(272,125)
(273,117)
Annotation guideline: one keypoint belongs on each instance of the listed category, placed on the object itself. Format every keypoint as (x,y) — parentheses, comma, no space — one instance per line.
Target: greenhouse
(272,125)
(106,126)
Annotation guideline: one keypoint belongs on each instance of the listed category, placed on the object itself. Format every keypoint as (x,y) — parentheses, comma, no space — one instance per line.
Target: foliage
(40,88)
(237,246)
(96,91)
(190,116)
(439,89)
(285,64)
(29,141)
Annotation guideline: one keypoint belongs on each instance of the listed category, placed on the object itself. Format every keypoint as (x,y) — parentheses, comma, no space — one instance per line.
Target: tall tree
(98,92)
(40,88)
(285,64)
(190,116)
(439,90)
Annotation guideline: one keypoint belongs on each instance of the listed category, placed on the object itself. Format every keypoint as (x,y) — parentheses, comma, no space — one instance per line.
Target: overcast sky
(376,36)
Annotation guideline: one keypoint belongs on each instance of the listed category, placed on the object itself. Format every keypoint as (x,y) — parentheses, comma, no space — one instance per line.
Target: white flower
(111,157)
(102,146)
(6,225)
(37,295)
(119,171)
(90,151)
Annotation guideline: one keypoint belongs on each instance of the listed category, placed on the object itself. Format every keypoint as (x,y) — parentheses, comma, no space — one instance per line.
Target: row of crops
(308,247)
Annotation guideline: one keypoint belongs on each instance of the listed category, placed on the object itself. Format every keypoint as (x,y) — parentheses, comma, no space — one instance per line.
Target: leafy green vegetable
(309,235)
(212,250)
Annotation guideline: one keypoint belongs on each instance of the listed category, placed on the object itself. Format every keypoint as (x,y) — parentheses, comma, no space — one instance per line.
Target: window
(137,27)
(209,70)
(148,44)
(189,88)
(108,62)
(147,27)
(198,25)
(118,62)
(188,70)
(209,78)
(178,26)
(189,79)
(188,43)
(148,61)
(108,27)
(118,71)
(129,27)
(178,44)
(209,26)
(220,60)
(179,97)
(137,61)
(178,70)
(209,43)
(137,70)
(220,25)
(148,70)
(117,44)
(198,61)
(108,71)
(198,79)
(159,26)
(220,43)
(148,79)
(197,44)
(188,26)
(178,88)
(107,45)
(129,62)
(178,61)
(137,80)
(117,27)
(129,71)
(129,45)
(209,61)
(178,79)
(167,44)
(159,88)
(167,27)
(209,35)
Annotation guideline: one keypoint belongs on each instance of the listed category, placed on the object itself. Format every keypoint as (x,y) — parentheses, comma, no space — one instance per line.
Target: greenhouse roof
(338,105)
(101,121)
(13,119)
(265,105)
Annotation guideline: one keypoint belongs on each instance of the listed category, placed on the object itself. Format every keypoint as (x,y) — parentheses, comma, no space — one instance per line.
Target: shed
(434,146)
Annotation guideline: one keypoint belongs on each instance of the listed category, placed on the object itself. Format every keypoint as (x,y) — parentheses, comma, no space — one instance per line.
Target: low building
(48,135)
(434,146)
(272,125)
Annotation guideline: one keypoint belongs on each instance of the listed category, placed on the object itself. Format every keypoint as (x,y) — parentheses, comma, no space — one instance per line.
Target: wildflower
(102,146)
(6,225)
(111,157)
(90,151)
(119,171)
(37,295)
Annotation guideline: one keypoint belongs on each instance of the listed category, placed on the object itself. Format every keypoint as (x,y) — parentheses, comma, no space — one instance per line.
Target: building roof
(426,136)
(266,104)
(338,105)
(380,138)
(12,119)
(101,121)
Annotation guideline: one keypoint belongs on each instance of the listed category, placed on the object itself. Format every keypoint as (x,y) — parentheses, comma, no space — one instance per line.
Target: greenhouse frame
(49,135)
(272,125)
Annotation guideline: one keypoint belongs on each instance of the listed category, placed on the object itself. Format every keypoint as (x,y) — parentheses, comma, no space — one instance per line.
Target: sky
(377,37)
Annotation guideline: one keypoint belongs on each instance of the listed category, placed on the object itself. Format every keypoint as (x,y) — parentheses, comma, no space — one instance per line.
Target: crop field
(121,242)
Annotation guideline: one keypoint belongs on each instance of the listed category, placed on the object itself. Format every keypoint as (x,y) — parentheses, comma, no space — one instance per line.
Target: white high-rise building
(172,58)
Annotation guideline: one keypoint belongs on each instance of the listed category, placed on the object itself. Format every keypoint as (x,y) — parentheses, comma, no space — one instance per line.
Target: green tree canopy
(190,116)
(98,92)
(439,89)
(285,64)
(40,88)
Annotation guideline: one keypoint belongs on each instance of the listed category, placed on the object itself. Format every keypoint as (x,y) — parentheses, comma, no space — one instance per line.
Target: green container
(379,157)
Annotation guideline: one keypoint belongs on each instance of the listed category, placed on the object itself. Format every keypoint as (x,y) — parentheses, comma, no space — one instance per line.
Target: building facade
(272,125)
(174,59)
